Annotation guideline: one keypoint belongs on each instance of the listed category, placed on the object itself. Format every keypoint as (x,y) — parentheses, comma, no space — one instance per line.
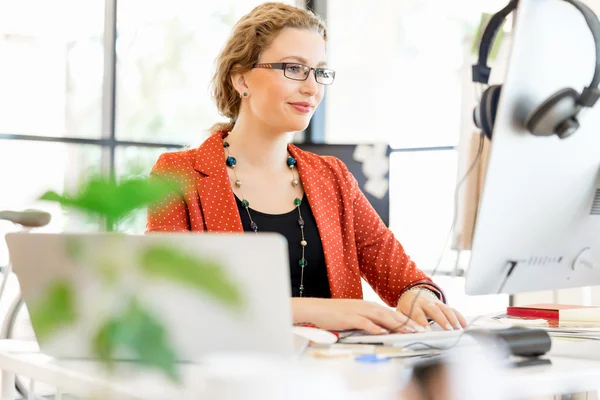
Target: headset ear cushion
(485,113)
(476,118)
(552,113)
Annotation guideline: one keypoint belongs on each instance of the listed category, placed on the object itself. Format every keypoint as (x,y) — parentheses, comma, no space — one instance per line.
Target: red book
(547,311)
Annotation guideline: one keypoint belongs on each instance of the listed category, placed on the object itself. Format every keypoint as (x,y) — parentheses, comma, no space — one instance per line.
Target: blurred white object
(262,377)
(196,324)
(375,166)
(478,372)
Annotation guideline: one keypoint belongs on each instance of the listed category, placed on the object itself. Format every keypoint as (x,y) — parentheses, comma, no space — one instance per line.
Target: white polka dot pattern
(356,242)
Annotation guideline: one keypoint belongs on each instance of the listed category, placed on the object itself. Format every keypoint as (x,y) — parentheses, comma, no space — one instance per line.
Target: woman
(270,78)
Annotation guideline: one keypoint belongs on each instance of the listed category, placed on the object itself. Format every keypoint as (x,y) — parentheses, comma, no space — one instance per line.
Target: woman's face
(285,104)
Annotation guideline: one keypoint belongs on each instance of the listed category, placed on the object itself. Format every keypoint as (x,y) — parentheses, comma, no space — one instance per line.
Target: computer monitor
(539,213)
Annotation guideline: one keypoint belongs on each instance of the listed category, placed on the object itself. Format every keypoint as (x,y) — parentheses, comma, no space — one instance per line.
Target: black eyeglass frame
(283,66)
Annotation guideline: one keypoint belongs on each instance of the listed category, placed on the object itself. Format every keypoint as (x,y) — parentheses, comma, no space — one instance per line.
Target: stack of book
(560,320)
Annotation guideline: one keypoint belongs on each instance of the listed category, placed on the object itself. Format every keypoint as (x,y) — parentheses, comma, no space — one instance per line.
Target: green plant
(112,200)
(134,328)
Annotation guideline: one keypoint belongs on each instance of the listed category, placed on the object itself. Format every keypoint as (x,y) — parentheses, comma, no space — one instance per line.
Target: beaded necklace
(291,163)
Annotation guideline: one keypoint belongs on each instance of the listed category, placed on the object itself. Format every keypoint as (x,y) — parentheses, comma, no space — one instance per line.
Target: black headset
(557,115)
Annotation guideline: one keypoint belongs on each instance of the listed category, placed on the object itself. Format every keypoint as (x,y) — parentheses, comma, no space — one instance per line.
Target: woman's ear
(238,80)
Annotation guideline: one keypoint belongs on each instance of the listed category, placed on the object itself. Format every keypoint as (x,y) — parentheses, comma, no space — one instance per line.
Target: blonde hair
(251,35)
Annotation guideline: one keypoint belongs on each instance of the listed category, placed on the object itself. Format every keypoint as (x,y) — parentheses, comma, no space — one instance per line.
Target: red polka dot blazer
(355,241)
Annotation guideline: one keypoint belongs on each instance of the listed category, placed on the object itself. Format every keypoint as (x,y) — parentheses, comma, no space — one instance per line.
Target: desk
(360,381)
(565,375)
(88,379)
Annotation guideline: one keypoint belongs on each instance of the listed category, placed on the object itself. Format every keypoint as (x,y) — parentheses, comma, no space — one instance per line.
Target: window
(32,168)
(421,214)
(166,53)
(53,95)
(51,69)
(399,69)
(400,80)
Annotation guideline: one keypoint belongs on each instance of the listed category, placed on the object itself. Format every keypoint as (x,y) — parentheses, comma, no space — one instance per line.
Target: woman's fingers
(450,315)
(407,325)
(404,324)
(340,314)
(419,317)
(461,319)
(435,313)
(390,319)
(382,317)
(365,324)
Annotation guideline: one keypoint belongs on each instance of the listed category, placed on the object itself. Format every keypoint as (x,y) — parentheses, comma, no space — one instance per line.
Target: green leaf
(136,330)
(484,19)
(105,342)
(51,196)
(55,309)
(203,274)
(74,248)
(113,201)
(109,271)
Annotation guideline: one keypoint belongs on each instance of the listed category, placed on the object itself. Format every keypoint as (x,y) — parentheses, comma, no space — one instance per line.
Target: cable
(511,268)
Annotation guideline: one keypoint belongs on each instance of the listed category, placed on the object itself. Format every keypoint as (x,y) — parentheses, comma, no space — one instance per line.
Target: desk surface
(358,381)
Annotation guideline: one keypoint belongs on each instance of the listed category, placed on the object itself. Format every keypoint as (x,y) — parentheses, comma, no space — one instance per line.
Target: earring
(245,94)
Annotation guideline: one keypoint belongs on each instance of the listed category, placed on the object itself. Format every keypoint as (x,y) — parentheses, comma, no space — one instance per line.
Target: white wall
(594,5)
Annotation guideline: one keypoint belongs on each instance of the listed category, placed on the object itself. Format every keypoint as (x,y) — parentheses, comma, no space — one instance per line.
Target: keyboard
(438,339)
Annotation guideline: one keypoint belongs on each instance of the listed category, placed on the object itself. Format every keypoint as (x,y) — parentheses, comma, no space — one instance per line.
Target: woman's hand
(345,314)
(426,305)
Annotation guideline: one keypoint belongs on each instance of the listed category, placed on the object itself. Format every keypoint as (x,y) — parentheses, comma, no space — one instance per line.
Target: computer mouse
(315,335)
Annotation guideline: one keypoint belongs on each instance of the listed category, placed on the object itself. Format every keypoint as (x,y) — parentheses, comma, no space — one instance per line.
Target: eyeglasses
(300,72)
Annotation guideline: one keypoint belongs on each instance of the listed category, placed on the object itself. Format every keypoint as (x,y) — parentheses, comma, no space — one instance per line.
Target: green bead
(245,203)
(297,201)
(302,262)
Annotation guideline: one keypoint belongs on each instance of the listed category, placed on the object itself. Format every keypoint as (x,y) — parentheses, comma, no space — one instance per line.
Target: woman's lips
(302,107)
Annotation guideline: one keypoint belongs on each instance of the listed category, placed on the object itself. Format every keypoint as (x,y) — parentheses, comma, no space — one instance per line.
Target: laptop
(105,272)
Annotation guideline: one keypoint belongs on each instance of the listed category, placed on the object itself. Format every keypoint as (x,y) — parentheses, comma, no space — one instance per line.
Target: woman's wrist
(424,291)
(301,310)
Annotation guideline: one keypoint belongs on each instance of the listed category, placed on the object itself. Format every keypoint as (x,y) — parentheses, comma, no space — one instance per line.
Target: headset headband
(481,72)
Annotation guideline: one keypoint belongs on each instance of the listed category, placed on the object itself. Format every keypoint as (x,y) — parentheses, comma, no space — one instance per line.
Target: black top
(316,283)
